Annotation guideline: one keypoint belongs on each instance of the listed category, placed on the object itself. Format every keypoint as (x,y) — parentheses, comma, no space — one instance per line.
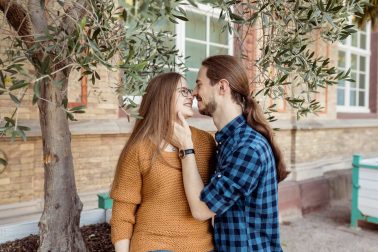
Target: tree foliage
(287,66)
(84,35)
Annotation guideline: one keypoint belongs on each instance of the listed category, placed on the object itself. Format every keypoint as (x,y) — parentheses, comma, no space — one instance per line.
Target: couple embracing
(178,189)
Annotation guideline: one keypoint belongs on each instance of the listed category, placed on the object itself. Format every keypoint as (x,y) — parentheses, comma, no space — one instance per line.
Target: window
(197,39)
(201,37)
(354,53)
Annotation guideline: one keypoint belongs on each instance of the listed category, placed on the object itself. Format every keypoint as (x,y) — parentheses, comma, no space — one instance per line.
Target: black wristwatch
(183,153)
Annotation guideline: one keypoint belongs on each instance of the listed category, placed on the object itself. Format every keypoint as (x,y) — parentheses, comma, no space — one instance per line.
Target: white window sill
(343,109)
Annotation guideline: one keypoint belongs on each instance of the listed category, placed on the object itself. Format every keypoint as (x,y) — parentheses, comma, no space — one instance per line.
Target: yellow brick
(4,181)
(27,160)
(27,147)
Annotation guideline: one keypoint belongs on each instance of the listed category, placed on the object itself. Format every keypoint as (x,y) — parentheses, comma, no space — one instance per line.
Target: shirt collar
(229,129)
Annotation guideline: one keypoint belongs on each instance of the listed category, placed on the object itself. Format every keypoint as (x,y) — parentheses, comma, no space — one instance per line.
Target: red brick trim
(84,94)
(357,115)
(373,89)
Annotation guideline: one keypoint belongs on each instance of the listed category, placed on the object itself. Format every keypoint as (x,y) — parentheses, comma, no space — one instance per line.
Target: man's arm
(193,184)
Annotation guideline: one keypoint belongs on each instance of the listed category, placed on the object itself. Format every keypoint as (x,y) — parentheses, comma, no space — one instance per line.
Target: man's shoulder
(247,137)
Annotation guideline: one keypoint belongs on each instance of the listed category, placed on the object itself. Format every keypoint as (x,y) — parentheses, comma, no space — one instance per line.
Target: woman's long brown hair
(229,68)
(157,112)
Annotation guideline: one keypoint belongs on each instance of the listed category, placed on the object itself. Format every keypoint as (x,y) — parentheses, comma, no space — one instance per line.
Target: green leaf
(14,98)
(83,22)
(10,120)
(35,99)
(97,75)
(19,84)
(77,108)
(71,116)
(192,3)
(283,78)
(45,65)
(21,133)
(3,162)
(37,88)
(180,17)
(173,21)
(24,128)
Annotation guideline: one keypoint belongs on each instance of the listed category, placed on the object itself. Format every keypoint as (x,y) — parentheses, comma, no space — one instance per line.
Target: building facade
(318,149)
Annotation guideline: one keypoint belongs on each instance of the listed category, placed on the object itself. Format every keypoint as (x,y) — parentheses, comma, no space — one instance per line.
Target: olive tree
(56,37)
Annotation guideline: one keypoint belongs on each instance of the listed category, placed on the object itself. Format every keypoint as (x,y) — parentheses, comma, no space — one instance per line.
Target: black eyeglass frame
(185,91)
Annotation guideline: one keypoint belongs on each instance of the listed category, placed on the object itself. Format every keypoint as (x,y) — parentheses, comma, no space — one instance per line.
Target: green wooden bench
(104,201)
(364,190)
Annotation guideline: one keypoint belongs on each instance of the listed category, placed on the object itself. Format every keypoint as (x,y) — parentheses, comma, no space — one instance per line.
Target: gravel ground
(328,230)
(97,238)
(320,231)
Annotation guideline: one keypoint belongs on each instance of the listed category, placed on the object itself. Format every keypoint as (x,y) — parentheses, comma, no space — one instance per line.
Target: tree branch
(37,15)
(17,17)
(74,14)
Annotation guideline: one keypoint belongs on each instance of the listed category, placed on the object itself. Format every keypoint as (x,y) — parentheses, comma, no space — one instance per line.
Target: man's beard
(209,109)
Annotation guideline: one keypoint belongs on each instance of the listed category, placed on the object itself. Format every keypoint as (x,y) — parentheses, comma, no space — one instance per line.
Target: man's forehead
(201,74)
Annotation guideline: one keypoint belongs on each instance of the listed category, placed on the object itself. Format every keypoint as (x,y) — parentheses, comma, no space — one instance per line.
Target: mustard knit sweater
(149,202)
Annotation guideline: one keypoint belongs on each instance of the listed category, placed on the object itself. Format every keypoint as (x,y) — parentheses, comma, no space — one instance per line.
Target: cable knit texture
(150,205)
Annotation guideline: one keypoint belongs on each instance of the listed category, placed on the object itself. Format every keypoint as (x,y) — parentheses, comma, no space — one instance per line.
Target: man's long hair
(229,68)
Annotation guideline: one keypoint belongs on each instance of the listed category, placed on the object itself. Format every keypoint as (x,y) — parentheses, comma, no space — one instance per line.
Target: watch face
(181,153)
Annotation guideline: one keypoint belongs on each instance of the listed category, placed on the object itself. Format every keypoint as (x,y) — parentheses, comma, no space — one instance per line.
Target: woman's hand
(182,136)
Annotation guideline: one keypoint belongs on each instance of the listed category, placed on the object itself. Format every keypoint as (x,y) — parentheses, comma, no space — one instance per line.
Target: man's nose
(195,92)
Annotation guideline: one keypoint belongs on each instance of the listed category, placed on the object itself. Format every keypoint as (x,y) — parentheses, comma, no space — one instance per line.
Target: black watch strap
(183,153)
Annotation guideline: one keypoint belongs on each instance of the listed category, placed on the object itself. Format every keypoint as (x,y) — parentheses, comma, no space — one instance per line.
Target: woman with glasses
(150,210)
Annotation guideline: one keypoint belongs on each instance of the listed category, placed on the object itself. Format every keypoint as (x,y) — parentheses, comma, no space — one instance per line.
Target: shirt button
(219,175)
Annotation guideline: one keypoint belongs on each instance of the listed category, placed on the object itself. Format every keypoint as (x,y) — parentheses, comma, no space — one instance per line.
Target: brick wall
(95,159)
(96,155)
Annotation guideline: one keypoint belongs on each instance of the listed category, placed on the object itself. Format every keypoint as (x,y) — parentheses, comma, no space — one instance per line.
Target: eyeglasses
(185,92)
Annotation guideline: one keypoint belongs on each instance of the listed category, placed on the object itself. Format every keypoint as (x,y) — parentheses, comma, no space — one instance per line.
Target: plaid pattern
(243,191)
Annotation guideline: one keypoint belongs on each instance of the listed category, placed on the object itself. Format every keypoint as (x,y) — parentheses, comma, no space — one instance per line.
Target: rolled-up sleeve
(237,176)
(126,195)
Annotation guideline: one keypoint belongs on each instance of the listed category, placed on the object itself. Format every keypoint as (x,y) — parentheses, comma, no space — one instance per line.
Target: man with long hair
(242,195)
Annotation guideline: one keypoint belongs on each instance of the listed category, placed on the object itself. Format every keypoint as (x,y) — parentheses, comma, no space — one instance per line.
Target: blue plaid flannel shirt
(243,191)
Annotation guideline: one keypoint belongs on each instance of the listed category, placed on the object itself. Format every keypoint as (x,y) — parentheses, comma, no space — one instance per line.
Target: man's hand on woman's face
(182,136)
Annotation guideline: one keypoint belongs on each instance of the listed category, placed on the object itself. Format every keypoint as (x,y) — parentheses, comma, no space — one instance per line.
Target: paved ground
(328,230)
(321,231)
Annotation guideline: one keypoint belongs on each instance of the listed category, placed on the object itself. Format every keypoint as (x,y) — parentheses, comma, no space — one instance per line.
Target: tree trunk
(59,224)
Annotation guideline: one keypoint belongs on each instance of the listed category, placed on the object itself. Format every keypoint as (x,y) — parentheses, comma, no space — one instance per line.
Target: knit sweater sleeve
(126,195)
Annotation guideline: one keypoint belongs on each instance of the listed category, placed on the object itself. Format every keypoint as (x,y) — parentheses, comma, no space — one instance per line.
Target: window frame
(348,49)
(180,28)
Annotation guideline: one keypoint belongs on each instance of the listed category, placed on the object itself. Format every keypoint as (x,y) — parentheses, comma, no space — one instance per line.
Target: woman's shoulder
(139,148)
(202,138)
(201,134)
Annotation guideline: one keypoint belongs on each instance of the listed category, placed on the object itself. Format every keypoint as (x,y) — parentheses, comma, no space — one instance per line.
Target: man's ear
(224,86)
